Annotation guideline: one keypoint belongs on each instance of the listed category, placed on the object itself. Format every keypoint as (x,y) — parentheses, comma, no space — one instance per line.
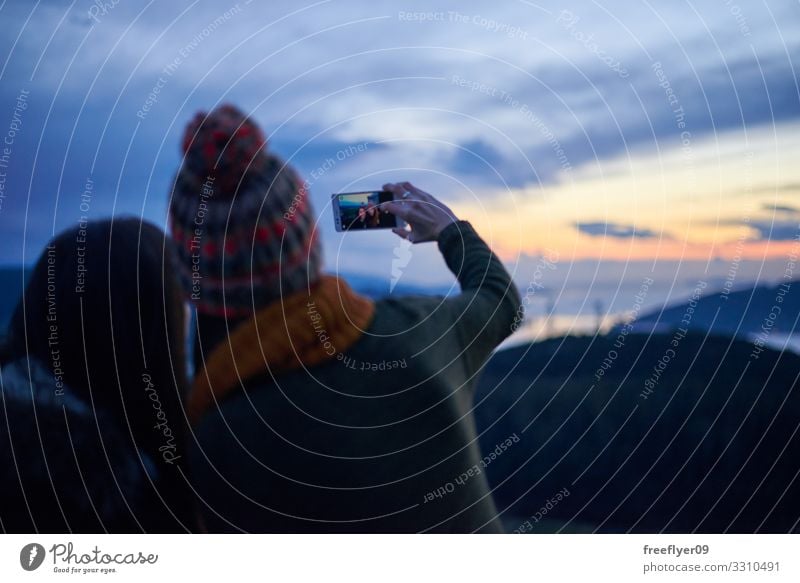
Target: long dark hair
(102,311)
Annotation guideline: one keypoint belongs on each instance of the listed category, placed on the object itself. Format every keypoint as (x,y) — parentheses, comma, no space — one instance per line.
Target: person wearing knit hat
(239,252)
(316,409)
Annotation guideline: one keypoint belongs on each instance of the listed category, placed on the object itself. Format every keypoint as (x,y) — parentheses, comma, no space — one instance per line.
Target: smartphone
(363,211)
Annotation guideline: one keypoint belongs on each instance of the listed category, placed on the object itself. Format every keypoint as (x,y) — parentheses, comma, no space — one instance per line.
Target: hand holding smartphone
(411,213)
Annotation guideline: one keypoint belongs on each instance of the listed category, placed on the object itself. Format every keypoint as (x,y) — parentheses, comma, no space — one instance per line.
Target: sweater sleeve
(483,313)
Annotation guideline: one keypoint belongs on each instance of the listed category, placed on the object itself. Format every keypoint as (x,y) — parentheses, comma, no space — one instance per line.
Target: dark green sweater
(381,439)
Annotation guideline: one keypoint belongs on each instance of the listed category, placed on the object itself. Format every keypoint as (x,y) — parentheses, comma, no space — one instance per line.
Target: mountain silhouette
(712,447)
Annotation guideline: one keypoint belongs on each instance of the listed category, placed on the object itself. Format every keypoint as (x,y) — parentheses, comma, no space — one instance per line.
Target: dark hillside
(713,447)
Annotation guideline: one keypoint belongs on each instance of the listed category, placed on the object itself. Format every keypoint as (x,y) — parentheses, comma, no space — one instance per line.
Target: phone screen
(364,210)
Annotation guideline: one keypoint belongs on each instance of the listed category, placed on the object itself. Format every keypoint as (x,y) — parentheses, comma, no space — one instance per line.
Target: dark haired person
(373,215)
(362,217)
(93,434)
(317,409)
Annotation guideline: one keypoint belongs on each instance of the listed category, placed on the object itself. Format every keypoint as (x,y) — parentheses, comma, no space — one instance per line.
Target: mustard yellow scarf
(303,329)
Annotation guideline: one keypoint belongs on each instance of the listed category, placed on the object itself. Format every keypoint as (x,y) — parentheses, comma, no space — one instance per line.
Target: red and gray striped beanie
(241,218)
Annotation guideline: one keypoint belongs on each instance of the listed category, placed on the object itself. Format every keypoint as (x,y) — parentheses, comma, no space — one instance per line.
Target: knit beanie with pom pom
(241,218)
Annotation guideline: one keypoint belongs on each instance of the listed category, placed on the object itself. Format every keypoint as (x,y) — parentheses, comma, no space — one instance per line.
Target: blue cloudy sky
(626,137)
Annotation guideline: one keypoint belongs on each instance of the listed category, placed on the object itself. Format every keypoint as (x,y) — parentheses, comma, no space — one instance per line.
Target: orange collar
(303,329)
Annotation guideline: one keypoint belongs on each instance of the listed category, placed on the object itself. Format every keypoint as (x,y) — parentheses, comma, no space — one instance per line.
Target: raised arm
(483,314)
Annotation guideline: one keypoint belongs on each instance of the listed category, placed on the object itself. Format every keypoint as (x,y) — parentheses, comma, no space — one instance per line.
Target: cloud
(777,222)
(781,208)
(617,231)
(776,230)
(321,75)
(783,225)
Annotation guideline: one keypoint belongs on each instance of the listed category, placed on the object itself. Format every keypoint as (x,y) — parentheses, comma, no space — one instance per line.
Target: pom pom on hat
(224,145)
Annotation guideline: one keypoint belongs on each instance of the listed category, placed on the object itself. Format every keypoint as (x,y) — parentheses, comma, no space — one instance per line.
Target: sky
(609,141)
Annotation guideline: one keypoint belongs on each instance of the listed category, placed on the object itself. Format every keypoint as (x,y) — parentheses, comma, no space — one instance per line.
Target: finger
(414,190)
(402,233)
(420,196)
(397,209)
(395,189)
